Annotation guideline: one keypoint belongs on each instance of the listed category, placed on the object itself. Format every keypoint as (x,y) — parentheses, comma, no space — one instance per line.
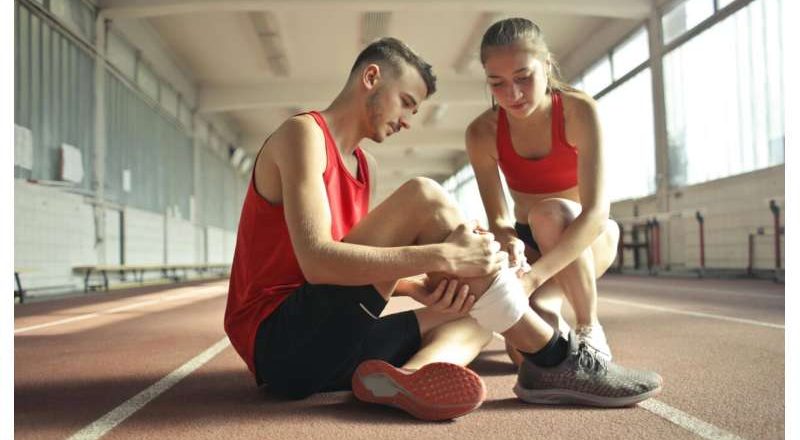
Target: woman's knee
(548,219)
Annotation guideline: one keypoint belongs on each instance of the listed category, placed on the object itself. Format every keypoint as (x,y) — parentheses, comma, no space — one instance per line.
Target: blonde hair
(515,30)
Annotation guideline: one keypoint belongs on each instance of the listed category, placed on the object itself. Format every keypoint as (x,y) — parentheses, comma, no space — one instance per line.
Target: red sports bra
(555,172)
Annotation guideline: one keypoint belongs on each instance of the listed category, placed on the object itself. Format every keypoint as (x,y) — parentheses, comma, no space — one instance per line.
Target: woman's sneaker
(594,336)
(584,378)
(437,391)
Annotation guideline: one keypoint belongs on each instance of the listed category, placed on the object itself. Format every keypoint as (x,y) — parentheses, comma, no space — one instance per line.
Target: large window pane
(147,81)
(724,114)
(685,16)
(122,55)
(626,115)
(630,53)
(598,77)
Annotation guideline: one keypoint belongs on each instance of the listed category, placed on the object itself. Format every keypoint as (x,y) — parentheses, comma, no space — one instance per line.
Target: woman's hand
(516,252)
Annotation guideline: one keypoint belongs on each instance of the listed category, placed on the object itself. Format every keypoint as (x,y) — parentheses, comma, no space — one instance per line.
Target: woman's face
(516,78)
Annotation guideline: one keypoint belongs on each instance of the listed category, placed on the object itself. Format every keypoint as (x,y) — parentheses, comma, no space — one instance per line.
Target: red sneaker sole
(438,391)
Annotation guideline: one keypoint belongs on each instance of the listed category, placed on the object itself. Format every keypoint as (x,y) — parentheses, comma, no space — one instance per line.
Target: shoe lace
(589,361)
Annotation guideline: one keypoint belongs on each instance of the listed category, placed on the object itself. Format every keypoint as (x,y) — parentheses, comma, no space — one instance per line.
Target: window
(147,81)
(630,53)
(724,114)
(626,115)
(598,77)
(169,100)
(76,15)
(685,16)
(122,55)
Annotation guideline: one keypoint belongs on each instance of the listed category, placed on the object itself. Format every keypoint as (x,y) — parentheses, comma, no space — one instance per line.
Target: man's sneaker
(584,378)
(594,336)
(437,391)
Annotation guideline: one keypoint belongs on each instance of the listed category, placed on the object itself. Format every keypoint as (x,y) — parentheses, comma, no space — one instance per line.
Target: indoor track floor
(154,363)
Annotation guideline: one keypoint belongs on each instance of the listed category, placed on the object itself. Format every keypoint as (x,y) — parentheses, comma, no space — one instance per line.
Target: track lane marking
(160,299)
(686,421)
(617,284)
(695,314)
(117,415)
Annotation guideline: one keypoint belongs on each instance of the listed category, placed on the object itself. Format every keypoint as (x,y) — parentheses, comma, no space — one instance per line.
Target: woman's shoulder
(578,106)
(484,126)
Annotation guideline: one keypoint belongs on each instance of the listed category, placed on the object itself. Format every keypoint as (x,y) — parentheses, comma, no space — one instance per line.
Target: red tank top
(265,269)
(553,173)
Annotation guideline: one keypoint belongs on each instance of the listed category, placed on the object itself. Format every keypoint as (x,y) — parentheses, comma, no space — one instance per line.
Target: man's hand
(473,252)
(447,297)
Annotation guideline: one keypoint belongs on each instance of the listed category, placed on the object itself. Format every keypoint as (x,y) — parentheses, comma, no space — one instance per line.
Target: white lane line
(687,422)
(160,299)
(695,314)
(616,284)
(116,416)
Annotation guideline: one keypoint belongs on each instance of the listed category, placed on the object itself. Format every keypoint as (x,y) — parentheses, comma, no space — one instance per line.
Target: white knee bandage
(503,304)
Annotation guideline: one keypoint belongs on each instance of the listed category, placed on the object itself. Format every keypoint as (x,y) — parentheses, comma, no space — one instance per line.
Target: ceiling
(255,62)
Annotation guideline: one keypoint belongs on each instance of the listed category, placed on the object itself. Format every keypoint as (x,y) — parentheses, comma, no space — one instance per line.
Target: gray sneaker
(584,378)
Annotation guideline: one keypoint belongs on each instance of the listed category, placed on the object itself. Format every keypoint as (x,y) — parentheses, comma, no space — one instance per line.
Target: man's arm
(298,149)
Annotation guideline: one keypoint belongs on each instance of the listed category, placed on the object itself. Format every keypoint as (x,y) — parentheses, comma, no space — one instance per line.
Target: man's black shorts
(317,337)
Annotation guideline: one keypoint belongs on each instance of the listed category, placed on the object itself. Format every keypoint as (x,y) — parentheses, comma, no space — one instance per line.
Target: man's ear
(370,76)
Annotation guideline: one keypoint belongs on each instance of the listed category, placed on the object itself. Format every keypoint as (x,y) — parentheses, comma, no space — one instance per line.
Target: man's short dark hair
(392,52)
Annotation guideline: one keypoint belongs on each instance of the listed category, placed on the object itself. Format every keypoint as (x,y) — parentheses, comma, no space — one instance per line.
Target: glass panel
(724,114)
(121,55)
(147,81)
(630,53)
(598,77)
(169,100)
(685,16)
(626,114)
(722,3)
(23,50)
(185,115)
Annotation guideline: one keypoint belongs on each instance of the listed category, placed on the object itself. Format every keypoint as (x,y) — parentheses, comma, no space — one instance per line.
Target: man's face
(394,100)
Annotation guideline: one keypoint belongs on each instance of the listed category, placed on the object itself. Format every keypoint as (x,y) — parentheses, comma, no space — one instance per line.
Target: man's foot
(437,391)
(594,336)
(584,378)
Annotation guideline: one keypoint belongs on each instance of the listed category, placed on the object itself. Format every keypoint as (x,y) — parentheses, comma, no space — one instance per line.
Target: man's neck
(344,122)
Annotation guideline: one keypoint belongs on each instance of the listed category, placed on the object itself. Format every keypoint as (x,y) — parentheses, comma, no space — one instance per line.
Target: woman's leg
(548,220)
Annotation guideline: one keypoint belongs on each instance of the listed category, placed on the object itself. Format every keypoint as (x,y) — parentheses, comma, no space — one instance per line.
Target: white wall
(144,237)
(221,245)
(732,207)
(180,241)
(53,231)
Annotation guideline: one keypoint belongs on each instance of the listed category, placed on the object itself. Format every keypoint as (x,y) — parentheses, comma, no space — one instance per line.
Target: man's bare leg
(435,217)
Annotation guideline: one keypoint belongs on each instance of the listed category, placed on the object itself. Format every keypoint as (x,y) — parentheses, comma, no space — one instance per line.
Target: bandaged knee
(503,303)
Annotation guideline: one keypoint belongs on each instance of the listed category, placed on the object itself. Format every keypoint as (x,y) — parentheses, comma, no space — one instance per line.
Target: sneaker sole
(438,391)
(566,397)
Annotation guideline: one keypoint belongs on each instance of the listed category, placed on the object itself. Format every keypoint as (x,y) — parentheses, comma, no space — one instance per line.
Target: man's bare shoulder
(294,135)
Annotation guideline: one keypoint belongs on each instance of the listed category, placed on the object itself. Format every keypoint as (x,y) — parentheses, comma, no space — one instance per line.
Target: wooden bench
(174,272)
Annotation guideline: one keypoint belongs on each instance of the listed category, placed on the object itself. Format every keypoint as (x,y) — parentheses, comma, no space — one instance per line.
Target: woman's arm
(480,141)
(585,133)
